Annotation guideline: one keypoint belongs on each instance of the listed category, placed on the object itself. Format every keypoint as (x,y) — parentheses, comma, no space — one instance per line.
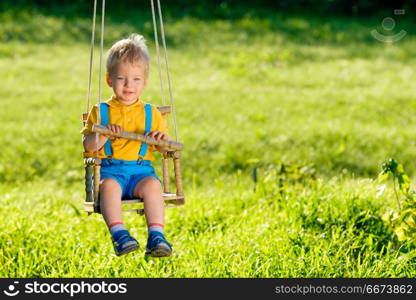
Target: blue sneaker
(157,245)
(124,243)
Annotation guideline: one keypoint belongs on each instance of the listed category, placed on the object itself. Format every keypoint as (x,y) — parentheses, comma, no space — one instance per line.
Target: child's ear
(108,79)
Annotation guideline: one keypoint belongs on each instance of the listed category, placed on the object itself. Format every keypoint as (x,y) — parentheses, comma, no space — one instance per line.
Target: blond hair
(132,50)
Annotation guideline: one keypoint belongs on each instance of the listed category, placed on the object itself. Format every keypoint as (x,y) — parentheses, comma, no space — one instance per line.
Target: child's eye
(120,78)
(137,79)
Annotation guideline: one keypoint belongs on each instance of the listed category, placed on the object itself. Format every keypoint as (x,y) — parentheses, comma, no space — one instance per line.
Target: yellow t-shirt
(130,118)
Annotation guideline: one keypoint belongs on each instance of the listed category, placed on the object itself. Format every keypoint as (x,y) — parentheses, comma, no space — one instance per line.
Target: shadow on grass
(242,25)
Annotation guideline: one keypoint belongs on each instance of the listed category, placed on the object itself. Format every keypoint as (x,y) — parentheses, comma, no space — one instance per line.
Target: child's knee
(152,186)
(109,184)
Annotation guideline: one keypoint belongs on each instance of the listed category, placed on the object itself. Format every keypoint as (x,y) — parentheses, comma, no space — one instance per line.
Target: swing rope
(172,104)
(91,56)
(100,74)
(167,68)
(162,85)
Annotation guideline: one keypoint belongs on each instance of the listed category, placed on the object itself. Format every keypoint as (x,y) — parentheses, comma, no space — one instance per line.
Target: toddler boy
(126,168)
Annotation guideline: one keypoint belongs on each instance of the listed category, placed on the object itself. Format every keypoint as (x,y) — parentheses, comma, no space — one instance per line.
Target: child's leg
(150,190)
(110,201)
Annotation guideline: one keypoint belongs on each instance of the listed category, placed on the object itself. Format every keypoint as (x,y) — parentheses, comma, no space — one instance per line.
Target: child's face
(128,82)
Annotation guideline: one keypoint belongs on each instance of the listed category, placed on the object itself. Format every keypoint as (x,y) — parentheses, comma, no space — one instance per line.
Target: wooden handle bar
(137,137)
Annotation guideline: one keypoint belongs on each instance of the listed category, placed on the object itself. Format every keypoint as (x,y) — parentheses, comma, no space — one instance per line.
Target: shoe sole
(128,250)
(159,252)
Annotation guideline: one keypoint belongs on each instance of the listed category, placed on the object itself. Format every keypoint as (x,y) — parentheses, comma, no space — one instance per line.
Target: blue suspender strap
(148,127)
(105,116)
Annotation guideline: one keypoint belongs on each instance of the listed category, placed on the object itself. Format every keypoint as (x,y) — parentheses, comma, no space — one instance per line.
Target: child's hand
(114,128)
(159,136)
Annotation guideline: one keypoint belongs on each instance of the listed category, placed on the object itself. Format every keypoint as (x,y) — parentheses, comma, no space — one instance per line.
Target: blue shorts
(126,173)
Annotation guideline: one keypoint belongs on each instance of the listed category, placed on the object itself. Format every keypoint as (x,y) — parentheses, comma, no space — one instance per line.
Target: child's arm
(158,135)
(89,141)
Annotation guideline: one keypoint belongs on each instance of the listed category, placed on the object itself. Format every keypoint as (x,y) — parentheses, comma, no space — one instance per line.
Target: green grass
(249,93)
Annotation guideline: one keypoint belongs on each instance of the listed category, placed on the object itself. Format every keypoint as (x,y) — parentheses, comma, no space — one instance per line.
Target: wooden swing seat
(171,200)
(93,165)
